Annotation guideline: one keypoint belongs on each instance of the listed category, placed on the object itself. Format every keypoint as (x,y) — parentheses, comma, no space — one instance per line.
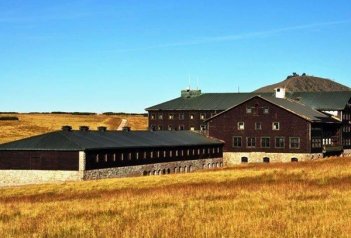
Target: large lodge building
(263,127)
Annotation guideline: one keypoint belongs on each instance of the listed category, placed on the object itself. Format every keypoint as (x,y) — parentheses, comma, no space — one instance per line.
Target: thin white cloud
(234,37)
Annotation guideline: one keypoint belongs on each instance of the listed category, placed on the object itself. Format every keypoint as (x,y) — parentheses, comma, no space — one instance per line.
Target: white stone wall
(22,177)
(234,158)
(154,169)
(347,153)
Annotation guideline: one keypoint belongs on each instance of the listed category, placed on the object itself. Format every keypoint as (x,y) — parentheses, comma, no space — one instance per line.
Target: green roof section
(90,140)
(223,101)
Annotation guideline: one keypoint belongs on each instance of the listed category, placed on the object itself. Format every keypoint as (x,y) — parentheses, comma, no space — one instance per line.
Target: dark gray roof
(223,101)
(300,109)
(206,101)
(88,140)
(323,100)
(292,106)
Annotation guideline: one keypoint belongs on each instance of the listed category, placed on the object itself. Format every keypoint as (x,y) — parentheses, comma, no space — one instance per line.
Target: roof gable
(303,111)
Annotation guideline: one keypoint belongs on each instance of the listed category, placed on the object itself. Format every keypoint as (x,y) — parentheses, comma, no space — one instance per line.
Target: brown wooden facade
(260,126)
(99,159)
(39,160)
(105,158)
(179,119)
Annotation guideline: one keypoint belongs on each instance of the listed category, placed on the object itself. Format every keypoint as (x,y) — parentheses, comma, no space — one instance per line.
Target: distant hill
(306,83)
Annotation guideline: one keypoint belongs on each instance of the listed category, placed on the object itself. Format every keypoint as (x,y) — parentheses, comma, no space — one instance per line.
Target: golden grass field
(305,199)
(34,124)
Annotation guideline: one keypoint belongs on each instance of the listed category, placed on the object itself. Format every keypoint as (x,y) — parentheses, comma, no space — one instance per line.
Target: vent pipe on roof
(84,128)
(66,128)
(102,128)
(126,128)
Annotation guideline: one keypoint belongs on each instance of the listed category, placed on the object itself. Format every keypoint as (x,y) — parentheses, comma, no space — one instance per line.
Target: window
(170,116)
(265,142)
(244,160)
(130,156)
(237,141)
(145,156)
(160,128)
(114,157)
(294,142)
(279,142)
(153,116)
(158,154)
(316,143)
(258,126)
(248,110)
(160,116)
(106,158)
(97,158)
(241,125)
(203,128)
(191,116)
(164,154)
(137,155)
(181,116)
(171,153)
(198,151)
(169,127)
(275,126)
(202,116)
(250,142)
(181,127)
(151,154)
(265,110)
(192,128)
(176,153)
(122,157)
(153,127)
(294,159)
(266,160)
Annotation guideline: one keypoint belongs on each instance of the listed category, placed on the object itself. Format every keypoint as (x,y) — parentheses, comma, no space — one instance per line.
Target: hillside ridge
(305,83)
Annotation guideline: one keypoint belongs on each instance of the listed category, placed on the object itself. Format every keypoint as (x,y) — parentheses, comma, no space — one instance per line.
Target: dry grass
(307,199)
(34,124)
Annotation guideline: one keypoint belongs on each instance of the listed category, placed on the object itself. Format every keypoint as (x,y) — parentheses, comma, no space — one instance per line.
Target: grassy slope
(268,200)
(34,124)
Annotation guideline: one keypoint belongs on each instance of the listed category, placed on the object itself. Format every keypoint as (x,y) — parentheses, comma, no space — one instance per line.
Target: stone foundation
(347,153)
(22,177)
(154,169)
(234,158)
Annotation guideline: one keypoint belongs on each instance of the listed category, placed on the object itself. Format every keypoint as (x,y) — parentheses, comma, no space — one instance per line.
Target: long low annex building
(72,155)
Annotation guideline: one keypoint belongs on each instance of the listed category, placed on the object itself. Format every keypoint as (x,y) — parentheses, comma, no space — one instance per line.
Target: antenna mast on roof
(197,82)
(238,89)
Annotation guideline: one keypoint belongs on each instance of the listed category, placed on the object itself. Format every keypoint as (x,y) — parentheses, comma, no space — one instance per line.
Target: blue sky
(127,55)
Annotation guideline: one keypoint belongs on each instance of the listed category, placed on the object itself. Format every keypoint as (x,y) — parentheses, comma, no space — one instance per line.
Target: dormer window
(275,126)
(248,110)
(241,125)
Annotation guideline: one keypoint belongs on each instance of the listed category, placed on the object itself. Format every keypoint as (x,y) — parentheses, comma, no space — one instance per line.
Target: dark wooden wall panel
(39,160)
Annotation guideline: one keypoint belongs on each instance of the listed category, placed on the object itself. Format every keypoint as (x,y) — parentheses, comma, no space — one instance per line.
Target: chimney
(84,128)
(279,92)
(102,128)
(190,93)
(126,128)
(66,128)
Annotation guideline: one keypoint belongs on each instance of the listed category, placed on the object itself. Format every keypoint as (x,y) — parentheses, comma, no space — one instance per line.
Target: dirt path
(124,123)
